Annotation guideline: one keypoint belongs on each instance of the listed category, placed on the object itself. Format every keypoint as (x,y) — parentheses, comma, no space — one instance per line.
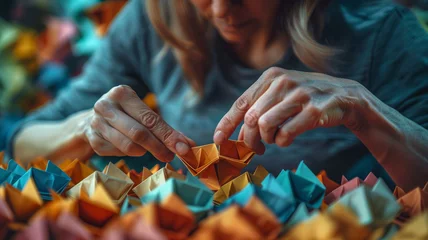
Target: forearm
(399,144)
(56,141)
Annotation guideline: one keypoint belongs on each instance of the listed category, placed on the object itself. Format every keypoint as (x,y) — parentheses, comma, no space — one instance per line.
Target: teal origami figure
(197,196)
(303,186)
(375,207)
(12,173)
(282,206)
(301,214)
(53,178)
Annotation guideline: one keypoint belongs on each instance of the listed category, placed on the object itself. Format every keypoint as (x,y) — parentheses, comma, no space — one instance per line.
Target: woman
(325,81)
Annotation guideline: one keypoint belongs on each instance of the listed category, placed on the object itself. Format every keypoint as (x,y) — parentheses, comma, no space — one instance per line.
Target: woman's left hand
(283,104)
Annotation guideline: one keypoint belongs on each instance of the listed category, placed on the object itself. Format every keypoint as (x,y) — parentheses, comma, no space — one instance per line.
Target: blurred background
(45,43)
(43,46)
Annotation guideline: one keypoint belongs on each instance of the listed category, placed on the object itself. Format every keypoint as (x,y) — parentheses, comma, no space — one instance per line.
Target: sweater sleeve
(399,72)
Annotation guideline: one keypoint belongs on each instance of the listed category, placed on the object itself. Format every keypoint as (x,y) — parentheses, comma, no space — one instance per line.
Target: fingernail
(219,137)
(182,148)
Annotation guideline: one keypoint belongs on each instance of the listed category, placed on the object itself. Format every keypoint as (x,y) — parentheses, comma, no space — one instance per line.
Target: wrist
(375,124)
(73,142)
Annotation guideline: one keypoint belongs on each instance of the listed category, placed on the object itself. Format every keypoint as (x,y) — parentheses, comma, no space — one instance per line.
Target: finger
(270,98)
(241,133)
(306,120)
(254,142)
(133,130)
(190,141)
(120,141)
(280,113)
(101,146)
(134,107)
(235,115)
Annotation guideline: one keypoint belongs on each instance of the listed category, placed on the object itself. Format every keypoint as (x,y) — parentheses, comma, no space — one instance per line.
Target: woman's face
(238,20)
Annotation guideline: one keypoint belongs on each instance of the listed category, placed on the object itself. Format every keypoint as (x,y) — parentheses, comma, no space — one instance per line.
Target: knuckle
(273,72)
(227,121)
(149,119)
(251,118)
(264,124)
(102,106)
(242,104)
(120,91)
(127,147)
(313,110)
(166,155)
(138,134)
(168,136)
(96,123)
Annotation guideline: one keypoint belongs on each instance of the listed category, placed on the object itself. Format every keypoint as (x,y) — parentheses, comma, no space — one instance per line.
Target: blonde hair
(184,30)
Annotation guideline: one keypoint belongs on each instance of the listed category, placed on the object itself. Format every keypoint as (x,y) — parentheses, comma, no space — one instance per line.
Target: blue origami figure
(303,186)
(53,178)
(282,206)
(11,174)
(197,196)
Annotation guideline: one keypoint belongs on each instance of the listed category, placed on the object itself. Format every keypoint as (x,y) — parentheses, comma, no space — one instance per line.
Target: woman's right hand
(122,125)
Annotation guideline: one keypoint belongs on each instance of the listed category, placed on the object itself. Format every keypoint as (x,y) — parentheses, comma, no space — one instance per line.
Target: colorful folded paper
(169,205)
(116,182)
(347,186)
(253,221)
(239,183)
(197,197)
(413,202)
(215,167)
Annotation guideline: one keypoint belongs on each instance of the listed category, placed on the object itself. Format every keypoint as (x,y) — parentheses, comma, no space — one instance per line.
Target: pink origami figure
(349,185)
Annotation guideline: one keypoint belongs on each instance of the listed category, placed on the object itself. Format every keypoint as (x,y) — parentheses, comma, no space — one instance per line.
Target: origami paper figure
(103,14)
(197,197)
(347,186)
(155,168)
(415,229)
(338,223)
(301,214)
(279,205)
(8,177)
(215,167)
(238,184)
(96,210)
(113,180)
(24,50)
(23,203)
(122,166)
(413,202)
(39,163)
(155,180)
(254,221)
(9,34)
(55,41)
(329,184)
(375,207)
(6,217)
(76,170)
(130,204)
(131,227)
(53,209)
(170,216)
(66,227)
(52,178)
(302,185)
(14,167)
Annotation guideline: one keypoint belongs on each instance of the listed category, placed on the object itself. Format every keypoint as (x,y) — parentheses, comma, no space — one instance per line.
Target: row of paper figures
(293,205)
